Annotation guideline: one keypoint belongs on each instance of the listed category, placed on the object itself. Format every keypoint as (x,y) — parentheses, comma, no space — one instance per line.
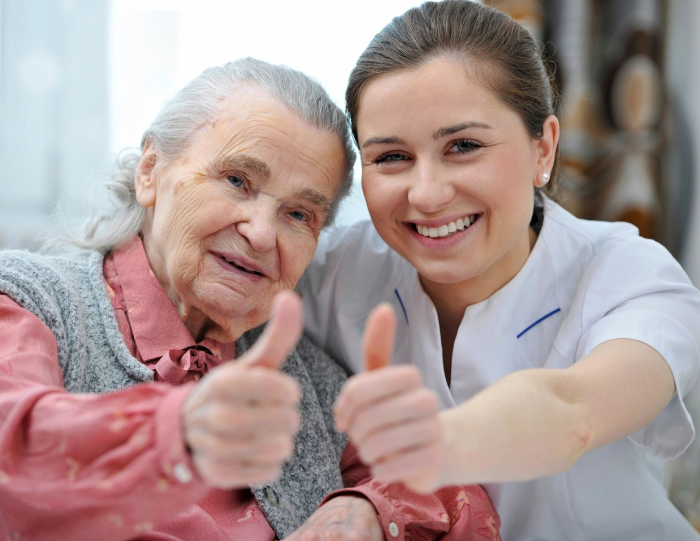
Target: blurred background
(82,79)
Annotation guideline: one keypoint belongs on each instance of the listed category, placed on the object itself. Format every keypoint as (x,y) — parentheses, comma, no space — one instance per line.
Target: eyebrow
(315,198)
(442,132)
(243,161)
(383,141)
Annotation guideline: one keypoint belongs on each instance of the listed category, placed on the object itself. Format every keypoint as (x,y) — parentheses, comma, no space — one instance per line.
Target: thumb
(280,335)
(378,342)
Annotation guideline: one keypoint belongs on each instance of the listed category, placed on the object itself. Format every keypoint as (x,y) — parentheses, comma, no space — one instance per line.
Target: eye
(236,181)
(298,215)
(390,157)
(463,146)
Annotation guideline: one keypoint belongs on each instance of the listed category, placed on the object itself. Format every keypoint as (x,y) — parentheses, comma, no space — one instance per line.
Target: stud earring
(545,178)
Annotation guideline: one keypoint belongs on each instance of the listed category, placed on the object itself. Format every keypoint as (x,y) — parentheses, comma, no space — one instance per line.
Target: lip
(219,256)
(442,221)
(442,243)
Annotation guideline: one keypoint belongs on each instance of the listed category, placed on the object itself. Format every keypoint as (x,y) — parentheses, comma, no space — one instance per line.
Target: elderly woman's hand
(240,420)
(344,518)
(391,418)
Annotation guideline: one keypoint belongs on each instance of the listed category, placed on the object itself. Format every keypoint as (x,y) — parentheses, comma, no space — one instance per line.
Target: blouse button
(182,473)
(393,529)
(271,496)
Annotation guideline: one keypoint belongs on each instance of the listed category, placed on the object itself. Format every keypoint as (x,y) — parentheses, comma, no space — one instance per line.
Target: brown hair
(506,59)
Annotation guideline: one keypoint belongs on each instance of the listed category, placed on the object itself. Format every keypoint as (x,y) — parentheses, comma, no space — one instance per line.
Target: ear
(546,149)
(144,178)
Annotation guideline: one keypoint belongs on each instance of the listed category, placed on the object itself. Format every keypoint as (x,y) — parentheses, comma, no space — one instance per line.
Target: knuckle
(428,401)
(285,448)
(219,416)
(202,442)
(294,421)
(371,450)
(353,389)
(413,376)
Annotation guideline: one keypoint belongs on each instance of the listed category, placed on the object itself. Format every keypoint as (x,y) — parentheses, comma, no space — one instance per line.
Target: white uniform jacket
(584,283)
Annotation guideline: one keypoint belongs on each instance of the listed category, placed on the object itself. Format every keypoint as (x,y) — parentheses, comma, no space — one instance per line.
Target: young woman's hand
(388,414)
(240,421)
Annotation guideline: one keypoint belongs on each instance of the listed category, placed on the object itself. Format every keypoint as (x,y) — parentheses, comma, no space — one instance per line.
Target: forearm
(77,464)
(528,425)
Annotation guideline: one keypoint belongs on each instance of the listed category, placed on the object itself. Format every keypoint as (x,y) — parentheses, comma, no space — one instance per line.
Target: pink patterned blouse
(115,467)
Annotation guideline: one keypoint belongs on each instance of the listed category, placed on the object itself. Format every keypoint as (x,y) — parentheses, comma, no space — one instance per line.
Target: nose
(430,190)
(259,226)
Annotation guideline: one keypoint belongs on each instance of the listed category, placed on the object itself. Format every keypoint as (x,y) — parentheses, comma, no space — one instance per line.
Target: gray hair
(176,126)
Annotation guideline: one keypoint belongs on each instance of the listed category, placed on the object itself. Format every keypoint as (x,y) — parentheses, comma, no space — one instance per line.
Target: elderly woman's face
(237,218)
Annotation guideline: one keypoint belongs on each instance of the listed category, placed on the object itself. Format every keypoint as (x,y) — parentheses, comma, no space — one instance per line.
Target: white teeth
(447,229)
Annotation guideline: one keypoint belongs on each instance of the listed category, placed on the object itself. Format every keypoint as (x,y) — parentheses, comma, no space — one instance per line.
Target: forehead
(252,123)
(434,94)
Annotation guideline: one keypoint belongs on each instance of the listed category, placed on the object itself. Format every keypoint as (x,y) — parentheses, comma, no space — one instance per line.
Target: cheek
(296,252)
(382,196)
(192,219)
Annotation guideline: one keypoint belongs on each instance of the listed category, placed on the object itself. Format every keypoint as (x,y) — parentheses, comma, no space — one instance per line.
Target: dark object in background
(617,118)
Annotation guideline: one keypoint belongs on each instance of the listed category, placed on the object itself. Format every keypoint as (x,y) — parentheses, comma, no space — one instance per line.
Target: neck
(452,300)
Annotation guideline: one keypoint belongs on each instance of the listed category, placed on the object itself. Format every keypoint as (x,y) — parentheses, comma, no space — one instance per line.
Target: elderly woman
(105,428)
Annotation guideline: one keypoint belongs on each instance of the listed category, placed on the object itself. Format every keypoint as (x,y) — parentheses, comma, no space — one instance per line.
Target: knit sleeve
(75,464)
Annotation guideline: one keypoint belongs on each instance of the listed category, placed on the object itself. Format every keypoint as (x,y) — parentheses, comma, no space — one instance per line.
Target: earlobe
(144,178)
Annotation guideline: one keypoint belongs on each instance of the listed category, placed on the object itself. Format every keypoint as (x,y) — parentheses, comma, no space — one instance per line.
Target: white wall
(157,46)
(53,110)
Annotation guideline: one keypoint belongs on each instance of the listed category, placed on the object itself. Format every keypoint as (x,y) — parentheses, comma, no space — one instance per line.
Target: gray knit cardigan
(67,293)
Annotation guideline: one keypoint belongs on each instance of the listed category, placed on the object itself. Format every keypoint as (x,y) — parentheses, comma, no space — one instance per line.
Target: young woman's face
(448,172)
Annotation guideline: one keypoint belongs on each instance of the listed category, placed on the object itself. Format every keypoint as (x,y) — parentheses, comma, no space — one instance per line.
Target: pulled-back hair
(178,123)
(500,54)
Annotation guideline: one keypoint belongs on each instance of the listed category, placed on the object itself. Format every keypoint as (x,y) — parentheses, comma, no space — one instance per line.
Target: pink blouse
(114,467)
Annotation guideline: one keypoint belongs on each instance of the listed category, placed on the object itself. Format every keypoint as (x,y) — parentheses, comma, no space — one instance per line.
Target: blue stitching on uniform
(402,306)
(539,321)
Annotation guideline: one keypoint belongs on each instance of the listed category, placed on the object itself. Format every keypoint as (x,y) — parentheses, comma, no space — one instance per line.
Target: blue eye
(236,181)
(297,215)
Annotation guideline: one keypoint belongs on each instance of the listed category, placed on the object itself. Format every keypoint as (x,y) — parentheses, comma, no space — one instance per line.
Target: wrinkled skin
(253,185)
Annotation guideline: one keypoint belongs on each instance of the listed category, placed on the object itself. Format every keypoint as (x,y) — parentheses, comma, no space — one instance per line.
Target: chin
(224,304)
(445,273)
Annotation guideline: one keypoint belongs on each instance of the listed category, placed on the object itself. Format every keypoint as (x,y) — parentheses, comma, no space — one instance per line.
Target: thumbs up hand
(240,420)
(388,414)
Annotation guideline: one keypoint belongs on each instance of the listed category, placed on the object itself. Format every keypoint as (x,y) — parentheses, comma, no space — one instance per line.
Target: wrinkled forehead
(273,140)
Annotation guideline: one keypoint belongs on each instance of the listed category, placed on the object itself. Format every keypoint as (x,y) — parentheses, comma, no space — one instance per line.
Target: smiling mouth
(241,267)
(447,230)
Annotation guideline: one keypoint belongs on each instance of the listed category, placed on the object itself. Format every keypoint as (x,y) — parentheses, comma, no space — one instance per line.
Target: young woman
(560,349)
